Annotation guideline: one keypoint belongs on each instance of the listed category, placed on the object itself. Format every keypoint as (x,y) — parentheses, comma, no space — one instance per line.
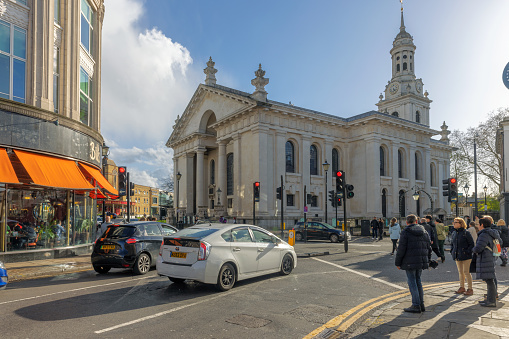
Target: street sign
(305,209)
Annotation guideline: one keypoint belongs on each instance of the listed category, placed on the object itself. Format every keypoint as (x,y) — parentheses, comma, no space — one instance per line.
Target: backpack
(496,248)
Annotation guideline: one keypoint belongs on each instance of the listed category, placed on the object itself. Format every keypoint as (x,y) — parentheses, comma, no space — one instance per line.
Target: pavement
(447,315)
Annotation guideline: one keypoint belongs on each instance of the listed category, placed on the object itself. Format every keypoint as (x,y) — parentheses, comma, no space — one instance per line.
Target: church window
(396,114)
(314,201)
(400,164)
(313,160)
(397,68)
(212,172)
(290,198)
(417,167)
(384,203)
(229,174)
(404,66)
(397,58)
(411,68)
(404,56)
(290,157)
(418,116)
(410,57)
(402,205)
(382,162)
(335,160)
(432,174)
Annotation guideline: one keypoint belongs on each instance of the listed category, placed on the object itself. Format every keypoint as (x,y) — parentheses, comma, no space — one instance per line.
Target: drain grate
(248,321)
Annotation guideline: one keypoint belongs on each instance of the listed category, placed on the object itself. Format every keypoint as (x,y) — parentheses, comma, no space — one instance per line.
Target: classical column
(411,176)
(427,177)
(221,171)
(440,177)
(200,189)
(373,194)
(304,168)
(189,181)
(327,155)
(395,181)
(237,174)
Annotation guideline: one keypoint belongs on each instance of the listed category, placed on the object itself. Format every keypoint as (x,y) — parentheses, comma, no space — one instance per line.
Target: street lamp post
(416,195)
(178,176)
(466,194)
(485,204)
(105,153)
(326,168)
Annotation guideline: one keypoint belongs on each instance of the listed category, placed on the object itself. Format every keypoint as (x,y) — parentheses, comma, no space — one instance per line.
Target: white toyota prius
(222,254)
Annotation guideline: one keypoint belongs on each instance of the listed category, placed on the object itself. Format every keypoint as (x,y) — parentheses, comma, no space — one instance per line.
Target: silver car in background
(222,254)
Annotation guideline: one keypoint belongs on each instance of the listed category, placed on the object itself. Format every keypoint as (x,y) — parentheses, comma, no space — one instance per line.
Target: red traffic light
(257,184)
(339,173)
(453,180)
(121,169)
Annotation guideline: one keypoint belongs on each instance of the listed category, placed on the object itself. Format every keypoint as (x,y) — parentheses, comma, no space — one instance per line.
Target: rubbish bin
(365,228)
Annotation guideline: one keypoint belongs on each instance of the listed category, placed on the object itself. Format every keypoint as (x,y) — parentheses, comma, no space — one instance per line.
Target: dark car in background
(319,231)
(130,245)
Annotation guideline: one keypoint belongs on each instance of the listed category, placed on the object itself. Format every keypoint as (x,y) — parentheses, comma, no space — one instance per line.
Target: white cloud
(147,81)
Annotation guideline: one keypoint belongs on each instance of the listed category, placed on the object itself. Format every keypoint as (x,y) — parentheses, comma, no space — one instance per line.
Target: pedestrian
(461,251)
(473,231)
(394,232)
(234,220)
(485,267)
(434,240)
(504,235)
(374,228)
(441,235)
(104,225)
(413,255)
(381,225)
(467,219)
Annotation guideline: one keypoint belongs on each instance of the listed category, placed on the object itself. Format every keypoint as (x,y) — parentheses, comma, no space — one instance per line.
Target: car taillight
(131,241)
(161,249)
(204,251)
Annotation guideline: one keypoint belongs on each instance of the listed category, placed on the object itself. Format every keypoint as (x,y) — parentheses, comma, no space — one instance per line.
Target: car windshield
(195,232)
(327,225)
(115,232)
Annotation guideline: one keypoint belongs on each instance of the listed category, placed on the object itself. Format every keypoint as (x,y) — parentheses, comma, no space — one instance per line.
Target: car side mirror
(275,240)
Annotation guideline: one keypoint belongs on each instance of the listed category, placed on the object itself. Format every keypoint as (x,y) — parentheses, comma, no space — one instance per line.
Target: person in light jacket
(394,232)
(441,235)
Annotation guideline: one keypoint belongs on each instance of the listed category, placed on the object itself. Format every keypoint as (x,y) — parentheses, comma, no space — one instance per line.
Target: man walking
(374,227)
(434,239)
(413,255)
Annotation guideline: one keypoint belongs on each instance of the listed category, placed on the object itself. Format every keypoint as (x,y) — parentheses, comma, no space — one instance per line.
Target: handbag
(473,263)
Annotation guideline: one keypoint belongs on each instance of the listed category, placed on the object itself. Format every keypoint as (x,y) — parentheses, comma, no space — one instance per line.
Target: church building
(226,140)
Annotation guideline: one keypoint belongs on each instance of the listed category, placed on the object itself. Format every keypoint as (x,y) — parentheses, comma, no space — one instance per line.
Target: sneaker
(413,309)
(486,304)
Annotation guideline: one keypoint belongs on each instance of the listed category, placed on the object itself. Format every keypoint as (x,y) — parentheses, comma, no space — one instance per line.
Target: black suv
(130,245)
(318,231)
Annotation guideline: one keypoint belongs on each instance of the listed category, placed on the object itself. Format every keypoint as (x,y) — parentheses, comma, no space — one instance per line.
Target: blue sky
(329,56)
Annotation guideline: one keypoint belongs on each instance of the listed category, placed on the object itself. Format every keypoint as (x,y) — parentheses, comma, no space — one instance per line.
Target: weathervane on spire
(401,5)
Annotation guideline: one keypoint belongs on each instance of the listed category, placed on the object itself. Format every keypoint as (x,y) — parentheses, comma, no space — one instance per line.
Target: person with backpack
(461,252)
(485,248)
(441,235)
(394,232)
(504,235)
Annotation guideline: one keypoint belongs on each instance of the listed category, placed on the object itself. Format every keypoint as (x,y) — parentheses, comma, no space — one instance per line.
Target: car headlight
(2,265)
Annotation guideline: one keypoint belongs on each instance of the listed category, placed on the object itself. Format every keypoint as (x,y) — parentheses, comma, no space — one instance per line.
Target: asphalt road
(120,305)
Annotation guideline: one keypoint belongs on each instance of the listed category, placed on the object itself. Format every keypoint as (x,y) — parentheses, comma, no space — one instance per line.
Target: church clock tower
(404,95)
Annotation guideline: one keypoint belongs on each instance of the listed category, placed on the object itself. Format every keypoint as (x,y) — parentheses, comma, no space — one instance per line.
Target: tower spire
(402,28)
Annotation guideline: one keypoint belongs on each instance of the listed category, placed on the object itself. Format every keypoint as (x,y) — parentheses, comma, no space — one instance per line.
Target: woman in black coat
(461,250)
(485,269)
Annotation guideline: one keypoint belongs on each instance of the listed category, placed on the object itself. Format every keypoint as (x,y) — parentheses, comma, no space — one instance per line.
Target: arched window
(402,204)
(404,66)
(397,68)
(400,164)
(382,161)
(313,160)
(418,116)
(212,172)
(290,157)
(335,161)
(229,174)
(384,203)
(396,114)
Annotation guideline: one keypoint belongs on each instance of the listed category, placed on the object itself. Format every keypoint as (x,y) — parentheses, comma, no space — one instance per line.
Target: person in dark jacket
(434,240)
(485,269)
(374,227)
(381,225)
(504,235)
(461,250)
(413,255)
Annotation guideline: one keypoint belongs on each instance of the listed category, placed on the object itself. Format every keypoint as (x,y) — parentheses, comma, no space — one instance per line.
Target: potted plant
(46,235)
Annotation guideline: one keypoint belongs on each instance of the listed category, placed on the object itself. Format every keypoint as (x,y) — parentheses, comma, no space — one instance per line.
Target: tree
(167,184)
(489,162)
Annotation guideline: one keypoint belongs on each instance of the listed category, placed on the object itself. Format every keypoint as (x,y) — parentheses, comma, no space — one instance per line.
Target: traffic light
(453,189)
(122,180)
(256,191)
(279,194)
(349,191)
(340,182)
(131,189)
(331,197)
(339,201)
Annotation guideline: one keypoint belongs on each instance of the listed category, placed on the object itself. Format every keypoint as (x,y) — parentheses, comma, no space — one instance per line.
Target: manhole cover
(248,321)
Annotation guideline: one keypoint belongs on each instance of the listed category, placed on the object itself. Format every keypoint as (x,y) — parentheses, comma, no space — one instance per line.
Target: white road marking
(362,274)
(73,290)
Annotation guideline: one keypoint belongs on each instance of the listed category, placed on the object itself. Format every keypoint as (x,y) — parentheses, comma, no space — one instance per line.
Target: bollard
(291,237)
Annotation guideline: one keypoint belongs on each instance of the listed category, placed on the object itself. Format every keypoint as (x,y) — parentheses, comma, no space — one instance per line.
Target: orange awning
(7,174)
(45,170)
(89,171)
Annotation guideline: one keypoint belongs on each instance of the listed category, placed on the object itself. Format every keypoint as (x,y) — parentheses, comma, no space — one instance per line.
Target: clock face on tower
(394,88)
(418,87)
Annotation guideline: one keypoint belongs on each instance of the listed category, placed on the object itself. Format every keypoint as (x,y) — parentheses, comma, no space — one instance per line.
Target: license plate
(107,247)
(178,255)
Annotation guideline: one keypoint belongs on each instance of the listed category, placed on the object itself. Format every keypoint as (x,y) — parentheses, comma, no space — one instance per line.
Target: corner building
(227,139)
(50,140)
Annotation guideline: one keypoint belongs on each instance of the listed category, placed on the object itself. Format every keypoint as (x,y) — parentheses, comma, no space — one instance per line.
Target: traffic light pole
(345,241)
(254,208)
(305,220)
(128,198)
(282,211)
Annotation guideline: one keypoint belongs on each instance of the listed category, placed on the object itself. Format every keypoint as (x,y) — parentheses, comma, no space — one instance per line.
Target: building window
(211,204)
(87,29)
(229,174)
(56,78)
(404,66)
(212,172)
(56,4)
(12,62)
(230,203)
(382,161)
(313,160)
(335,161)
(402,205)
(418,116)
(290,200)
(290,157)
(395,114)
(432,177)
(400,164)
(314,201)
(86,102)
(397,68)
(417,169)
(154,200)
(384,203)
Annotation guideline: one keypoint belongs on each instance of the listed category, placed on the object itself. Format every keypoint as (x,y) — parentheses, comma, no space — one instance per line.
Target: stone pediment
(222,101)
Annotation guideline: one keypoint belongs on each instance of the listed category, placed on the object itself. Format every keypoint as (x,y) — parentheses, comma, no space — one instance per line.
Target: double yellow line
(343,321)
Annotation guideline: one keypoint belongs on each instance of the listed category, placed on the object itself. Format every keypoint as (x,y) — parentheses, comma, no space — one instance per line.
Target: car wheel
(226,278)
(298,236)
(334,238)
(176,280)
(286,265)
(142,264)
(102,269)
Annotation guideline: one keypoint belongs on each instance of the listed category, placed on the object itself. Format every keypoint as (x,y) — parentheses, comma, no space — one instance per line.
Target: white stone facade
(225,134)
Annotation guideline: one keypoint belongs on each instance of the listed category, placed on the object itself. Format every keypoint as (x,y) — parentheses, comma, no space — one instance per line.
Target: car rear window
(114,232)
(195,232)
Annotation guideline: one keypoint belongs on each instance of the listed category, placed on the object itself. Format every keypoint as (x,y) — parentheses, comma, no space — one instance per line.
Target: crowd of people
(475,248)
